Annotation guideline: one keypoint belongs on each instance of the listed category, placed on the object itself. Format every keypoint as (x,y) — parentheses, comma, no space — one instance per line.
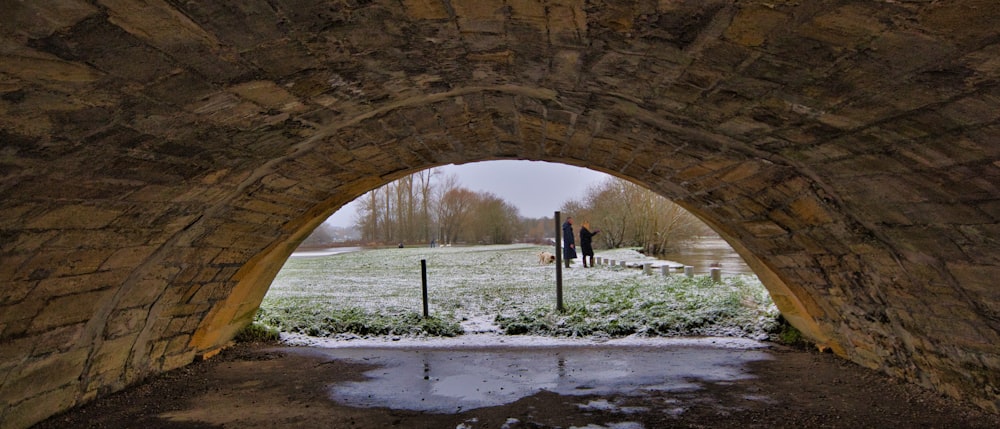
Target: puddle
(449,380)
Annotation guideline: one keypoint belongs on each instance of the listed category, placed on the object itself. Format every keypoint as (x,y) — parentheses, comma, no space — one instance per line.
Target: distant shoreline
(314,251)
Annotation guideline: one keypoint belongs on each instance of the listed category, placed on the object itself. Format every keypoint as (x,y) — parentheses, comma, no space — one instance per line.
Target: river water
(325,251)
(707,251)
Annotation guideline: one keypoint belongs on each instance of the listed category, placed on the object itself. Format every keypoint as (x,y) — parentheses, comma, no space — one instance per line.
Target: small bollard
(716,274)
(622,263)
(689,271)
(665,270)
(598,260)
(611,262)
(647,268)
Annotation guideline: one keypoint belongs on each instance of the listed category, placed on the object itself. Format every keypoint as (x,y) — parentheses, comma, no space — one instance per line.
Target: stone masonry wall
(160,159)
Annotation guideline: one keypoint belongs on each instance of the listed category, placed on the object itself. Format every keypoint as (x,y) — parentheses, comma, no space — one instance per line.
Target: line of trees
(427,207)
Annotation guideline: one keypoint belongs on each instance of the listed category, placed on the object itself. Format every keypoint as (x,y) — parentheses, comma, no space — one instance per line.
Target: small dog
(546,258)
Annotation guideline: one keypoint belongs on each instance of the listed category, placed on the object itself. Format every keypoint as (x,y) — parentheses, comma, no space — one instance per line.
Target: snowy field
(504,289)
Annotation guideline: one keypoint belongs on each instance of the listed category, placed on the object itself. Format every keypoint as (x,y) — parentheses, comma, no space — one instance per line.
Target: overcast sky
(536,188)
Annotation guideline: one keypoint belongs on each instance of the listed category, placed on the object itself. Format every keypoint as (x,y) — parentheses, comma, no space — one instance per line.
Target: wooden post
(647,268)
(689,271)
(716,274)
(665,270)
(559,297)
(423,281)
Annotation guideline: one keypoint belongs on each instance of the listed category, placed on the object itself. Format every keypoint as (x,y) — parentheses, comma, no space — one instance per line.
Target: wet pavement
(489,381)
(450,380)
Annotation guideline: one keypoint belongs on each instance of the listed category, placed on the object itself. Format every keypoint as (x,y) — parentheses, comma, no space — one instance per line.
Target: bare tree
(454,211)
(405,208)
(418,208)
(425,190)
(367,218)
(495,221)
(537,230)
(630,215)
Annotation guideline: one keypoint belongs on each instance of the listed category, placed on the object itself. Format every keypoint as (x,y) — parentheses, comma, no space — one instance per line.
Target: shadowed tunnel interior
(159,159)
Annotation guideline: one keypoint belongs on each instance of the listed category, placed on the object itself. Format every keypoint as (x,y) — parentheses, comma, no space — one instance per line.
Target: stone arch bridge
(160,159)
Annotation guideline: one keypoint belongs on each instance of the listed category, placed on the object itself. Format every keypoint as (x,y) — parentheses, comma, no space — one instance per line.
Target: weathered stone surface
(159,160)
(42,375)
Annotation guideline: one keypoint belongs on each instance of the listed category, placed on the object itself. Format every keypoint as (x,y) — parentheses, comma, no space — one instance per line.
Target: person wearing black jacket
(569,243)
(585,243)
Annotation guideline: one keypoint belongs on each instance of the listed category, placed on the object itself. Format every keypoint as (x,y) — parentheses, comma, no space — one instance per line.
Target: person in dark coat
(585,243)
(569,244)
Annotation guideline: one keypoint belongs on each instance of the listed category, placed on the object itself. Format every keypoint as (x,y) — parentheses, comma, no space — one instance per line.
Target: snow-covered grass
(378,292)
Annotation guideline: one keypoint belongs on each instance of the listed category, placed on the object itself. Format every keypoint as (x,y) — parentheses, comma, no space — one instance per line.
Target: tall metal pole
(423,281)
(559,298)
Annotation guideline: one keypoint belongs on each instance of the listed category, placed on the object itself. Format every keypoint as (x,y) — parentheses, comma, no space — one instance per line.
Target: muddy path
(511,386)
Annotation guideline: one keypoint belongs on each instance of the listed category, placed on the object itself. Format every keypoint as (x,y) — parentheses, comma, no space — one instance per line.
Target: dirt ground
(272,386)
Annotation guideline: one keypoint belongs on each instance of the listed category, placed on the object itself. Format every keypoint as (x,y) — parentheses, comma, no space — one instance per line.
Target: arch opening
(336,311)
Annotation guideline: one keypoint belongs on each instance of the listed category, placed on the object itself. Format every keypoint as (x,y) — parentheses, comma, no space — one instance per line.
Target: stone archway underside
(160,159)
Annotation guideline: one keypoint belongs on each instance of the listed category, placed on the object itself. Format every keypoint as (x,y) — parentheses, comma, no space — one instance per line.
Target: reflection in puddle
(450,380)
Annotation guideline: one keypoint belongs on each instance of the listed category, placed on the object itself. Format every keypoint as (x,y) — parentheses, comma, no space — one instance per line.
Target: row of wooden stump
(665,269)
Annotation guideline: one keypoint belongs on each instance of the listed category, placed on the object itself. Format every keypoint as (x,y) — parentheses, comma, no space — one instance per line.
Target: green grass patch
(786,334)
(257,333)
(679,306)
(321,321)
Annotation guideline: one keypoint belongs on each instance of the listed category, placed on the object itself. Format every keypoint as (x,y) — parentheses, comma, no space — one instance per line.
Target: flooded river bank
(705,252)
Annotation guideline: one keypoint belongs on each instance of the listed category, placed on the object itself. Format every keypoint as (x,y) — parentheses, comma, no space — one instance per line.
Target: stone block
(979,280)
(38,376)
(944,214)
(181,311)
(108,364)
(425,9)
(69,309)
(15,351)
(58,340)
(764,229)
(75,216)
(811,211)
(59,286)
(971,111)
(197,275)
(147,290)
(177,325)
(25,242)
(477,25)
(91,239)
(173,361)
(267,94)
(17,317)
(123,322)
(128,258)
(233,255)
(845,27)
(15,291)
(567,22)
(34,409)
(32,65)
(58,263)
